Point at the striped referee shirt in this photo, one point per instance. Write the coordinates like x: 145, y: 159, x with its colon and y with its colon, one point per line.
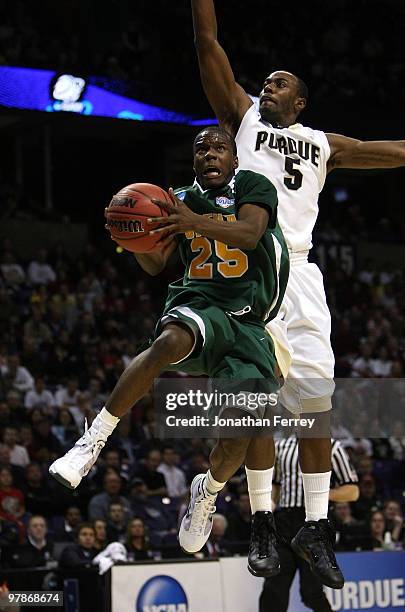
x: 287, y: 472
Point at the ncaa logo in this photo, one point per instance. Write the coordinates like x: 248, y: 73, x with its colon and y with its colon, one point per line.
x: 162, y: 594
x: 181, y: 195
x: 224, y: 202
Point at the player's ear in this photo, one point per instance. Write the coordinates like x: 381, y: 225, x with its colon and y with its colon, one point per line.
x: 300, y: 104
x: 235, y: 162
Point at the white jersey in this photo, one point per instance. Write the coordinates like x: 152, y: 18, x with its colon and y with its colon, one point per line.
x: 294, y: 159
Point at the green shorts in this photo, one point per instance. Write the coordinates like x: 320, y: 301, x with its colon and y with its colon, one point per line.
x: 226, y: 346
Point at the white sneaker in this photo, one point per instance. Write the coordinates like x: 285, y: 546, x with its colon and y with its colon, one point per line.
x: 70, y: 469
x: 196, y: 525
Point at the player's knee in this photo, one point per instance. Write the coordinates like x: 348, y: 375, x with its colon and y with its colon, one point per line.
x: 173, y: 344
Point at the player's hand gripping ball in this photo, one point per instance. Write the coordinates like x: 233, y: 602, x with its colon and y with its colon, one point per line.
x: 127, y: 214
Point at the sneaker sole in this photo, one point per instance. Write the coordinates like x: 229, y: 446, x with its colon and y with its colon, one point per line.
x: 62, y: 480
x: 301, y: 553
x: 268, y: 574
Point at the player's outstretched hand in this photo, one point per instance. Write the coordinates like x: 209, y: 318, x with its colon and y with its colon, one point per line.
x: 180, y: 220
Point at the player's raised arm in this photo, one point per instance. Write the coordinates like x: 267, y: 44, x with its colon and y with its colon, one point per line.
x: 228, y: 99
x: 351, y: 153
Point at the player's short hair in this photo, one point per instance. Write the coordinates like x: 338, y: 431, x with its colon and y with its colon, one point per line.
x: 219, y: 130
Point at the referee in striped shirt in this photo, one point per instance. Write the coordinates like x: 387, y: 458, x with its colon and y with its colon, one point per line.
x: 288, y: 496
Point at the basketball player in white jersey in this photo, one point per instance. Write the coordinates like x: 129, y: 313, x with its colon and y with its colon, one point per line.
x: 296, y: 159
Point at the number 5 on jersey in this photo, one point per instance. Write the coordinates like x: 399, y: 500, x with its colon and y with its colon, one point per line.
x: 294, y: 180
x: 234, y: 262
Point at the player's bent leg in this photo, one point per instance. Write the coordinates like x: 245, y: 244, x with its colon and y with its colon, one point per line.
x: 263, y: 559
x: 226, y: 457
x: 174, y: 343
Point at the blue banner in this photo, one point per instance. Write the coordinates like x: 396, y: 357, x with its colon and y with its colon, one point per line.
x: 374, y: 581
x: 46, y: 90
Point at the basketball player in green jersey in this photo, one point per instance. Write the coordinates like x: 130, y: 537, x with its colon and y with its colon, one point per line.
x: 236, y: 270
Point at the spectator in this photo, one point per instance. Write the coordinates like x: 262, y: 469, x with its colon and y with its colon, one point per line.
x: 11, y: 499
x: 125, y: 439
x: 112, y: 459
x: 71, y: 521
x: 41, y: 398
x: 13, y: 274
x: 154, y: 480
x: 35, y: 330
x: 17, y: 376
x: 39, y: 271
x: 96, y: 396
x: 26, y: 438
x: 38, y: 495
x: 46, y: 446
x: 38, y: 550
x: 156, y: 515
x: 16, y: 471
x: 174, y: 477
x: 9, y: 534
x: 82, y: 411
x: 68, y: 396
x: 117, y: 523
x: 81, y: 554
x: 238, y: 529
x: 397, y: 440
x: 363, y: 366
x: 65, y: 428
x: 14, y: 402
x: 350, y: 532
x: 18, y: 454
x: 100, y: 504
x: 394, y: 521
x: 377, y: 531
x: 137, y: 541
x: 100, y: 529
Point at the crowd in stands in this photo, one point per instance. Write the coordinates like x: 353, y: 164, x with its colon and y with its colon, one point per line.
x: 68, y: 328
x: 316, y: 40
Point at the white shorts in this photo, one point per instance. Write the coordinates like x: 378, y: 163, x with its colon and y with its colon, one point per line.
x: 302, y: 329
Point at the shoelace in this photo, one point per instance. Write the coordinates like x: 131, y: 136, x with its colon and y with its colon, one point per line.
x: 97, y: 444
x: 329, y: 550
x: 326, y: 539
x: 262, y: 535
x: 201, y: 513
x: 94, y: 439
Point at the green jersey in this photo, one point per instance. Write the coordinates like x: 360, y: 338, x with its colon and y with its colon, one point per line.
x: 236, y: 280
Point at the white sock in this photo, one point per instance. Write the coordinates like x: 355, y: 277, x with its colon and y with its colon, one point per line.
x: 260, y: 483
x: 212, y: 486
x: 316, y: 495
x: 108, y: 420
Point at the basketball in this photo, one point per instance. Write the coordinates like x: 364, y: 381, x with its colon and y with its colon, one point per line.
x: 127, y: 216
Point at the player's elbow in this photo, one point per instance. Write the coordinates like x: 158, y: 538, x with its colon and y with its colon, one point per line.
x: 252, y: 237
x: 251, y: 243
x: 204, y: 42
x: 154, y: 271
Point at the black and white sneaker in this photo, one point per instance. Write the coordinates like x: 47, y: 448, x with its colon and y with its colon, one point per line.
x: 196, y: 525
